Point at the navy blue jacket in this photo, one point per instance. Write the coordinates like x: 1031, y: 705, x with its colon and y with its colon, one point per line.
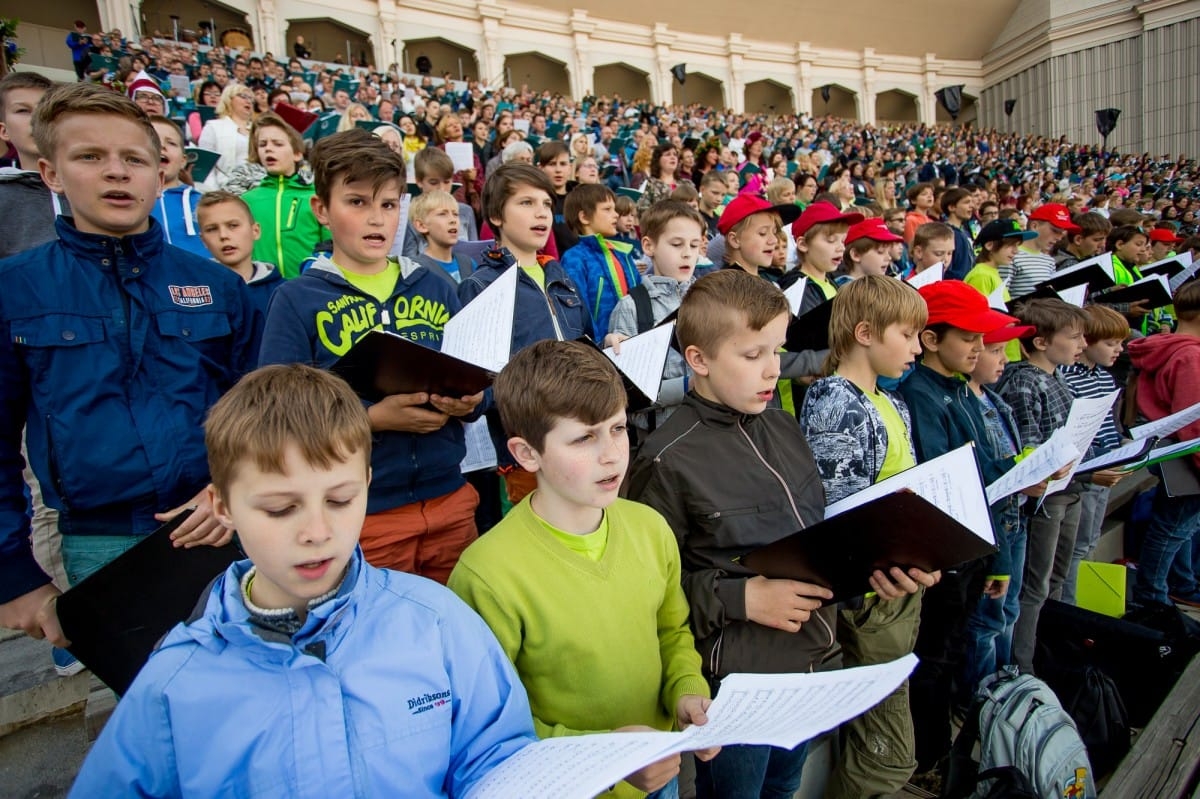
x: 111, y: 352
x: 317, y: 317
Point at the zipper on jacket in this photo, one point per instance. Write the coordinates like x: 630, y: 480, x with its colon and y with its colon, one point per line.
x: 599, y: 291
x: 52, y: 463
x: 553, y: 316
x: 278, y: 227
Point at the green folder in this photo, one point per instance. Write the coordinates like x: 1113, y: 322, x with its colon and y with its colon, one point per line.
x: 325, y: 126
x: 104, y: 62
x: 206, y: 112
x: 202, y: 162
x: 1100, y: 587
x: 626, y: 191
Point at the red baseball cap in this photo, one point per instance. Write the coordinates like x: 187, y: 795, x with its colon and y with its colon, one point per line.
x: 1164, y: 235
x: 1007, y: 334
x: 822, y: 213
x: 872, y: 228
x: 747, y: 204
x: 962, y: 306
x: 1057, y: 215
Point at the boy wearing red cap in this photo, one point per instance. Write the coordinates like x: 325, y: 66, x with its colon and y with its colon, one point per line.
x: 749, y: 225
x: 1034, y: 263
x: 820, y: 235
x: 868, y: 251
x: 1162, y: 243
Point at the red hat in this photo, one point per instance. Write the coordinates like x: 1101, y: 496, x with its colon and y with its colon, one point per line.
x: 144, y: 83
x: 822, y: 213
x: 745, y: 205
x: 1057, y: 215
x: 753, y: 137
x: 1164, y: 235
x: 1007, y: 334
x: 963, y: 306
x: 872, y: 228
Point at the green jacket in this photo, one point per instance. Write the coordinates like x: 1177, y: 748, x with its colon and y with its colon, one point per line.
x: 282, y: 207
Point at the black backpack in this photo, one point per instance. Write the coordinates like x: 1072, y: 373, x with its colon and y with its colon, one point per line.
x: 1094, y: 703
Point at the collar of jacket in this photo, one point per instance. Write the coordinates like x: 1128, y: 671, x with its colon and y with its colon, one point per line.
x: 714, y: 414
x: 95, y: 248
x: 955, y: 384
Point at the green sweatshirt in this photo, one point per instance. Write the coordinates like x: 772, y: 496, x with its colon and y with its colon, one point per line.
x: 282, y: 206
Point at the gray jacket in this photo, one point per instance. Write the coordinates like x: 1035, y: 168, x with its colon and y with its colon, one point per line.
x: 28, y: 209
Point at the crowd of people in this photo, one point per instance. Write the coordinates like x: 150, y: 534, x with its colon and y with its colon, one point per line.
x: 166, y: 346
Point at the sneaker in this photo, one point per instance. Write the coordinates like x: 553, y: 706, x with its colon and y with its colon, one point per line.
x: 65, y: 663
x: 1192, y: 600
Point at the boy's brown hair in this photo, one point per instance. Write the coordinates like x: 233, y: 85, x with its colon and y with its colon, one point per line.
x: 427, y: 202
x: 504, y: 182
x: 916, y: 189
x: 1122, y: 234
x: 878, y: 300
x: 1187, y: 302
x: 721, y: 302
x: 930, y: 232
x: 583, y: 200
x: 21, y: 80
x: 549, y: 151
x: 211, y: 198
x: 351, y: 156
x: 1104, y: 324
x: 685, y: 192
x: 272, y: 120
x: 552, y: 380
x: 1091, y: 223
x: 432, y: 163
x: 1048, y: 316
x: 654, y: 220
x: 625, y: 205
x: 84, y: 98
x: 712, y: 176
x: 279, y: 406
x: 953, y: 197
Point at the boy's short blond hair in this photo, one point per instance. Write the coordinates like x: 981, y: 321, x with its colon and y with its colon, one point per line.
x: 277, y: 406
x: 722, y: 302
x: 930, y: 232
x: 553, y: 380
x: 84, y: 98
x: 427, y: 202
x: 654, y: 220
x: 351, y: 156
x: 1104, y: 324
x: 878, y: 300
x: 220, y: 197
x: 432, y: 163
x: 776, y: 188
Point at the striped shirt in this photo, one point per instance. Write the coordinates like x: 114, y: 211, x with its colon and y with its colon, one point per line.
x: 1095, y: 381
x: 1028, y: 270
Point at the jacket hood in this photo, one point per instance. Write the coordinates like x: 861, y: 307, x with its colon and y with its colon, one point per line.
x: 660, y: 286
x: 1153, y: 352
x: 12, y: 174
x: 325, y: 267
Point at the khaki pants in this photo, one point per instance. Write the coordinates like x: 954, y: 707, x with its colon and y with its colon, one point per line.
x: 47, y: 542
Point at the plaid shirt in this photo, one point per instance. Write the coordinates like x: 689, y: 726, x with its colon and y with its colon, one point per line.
x: 1040, y: 401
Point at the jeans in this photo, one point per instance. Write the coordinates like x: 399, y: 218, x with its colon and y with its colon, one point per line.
x: 86, y: 554
x: 751, y: 772
x: 668, y: 791
x: 1182, y: 579
x: 1172, y: 525
x: 1048, y: 550
x: 1093, y: 503
x: 990, y: 628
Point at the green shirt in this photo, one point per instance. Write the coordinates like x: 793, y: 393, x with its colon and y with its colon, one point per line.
x: 379, y: 285
x: 827, y: 288
x: 591, y: 546
x: 899, y: 454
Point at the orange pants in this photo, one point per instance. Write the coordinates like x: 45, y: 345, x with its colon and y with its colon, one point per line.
x: 519, y: 484
x: 424, y: 538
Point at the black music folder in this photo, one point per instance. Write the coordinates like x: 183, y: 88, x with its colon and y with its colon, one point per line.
x: 810, y: 331
x: 1154, y: 290
x: 1096, y: 272
x: 381, y: 364
x: 900, y: 529
x: 116, y: 617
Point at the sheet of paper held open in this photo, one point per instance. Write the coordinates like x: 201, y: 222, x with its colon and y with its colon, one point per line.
x: 1161, y: 428
x: 795, y: 295
x: 928, y: 276
x: 1055, y: 453
x: 1086, y: 417
x: 643, y: 357
x: 950, y: 482
x: 776, y: 709
x: 481, y: 333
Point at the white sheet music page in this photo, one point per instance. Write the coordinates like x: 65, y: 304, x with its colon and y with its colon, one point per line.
x: 481, y: 453
x: 927, y: 277
x: 643, y: 357
x: 481, y: 333
x: 1161, y: 428
x: 1086, y: 417
x: 1054, y: 453
x: 1076, y: 295
x: 795, y: 294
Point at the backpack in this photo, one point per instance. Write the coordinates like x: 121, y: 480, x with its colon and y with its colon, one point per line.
x: 1099, y: 714
x: 1029, y: 746
x: 642, y: 307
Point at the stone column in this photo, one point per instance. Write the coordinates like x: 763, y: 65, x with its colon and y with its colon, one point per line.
x: 661, y: 80
x: 735, y: 87
x: 491, y: 55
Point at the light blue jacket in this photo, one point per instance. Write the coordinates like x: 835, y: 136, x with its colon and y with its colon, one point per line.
x: 392, y: 688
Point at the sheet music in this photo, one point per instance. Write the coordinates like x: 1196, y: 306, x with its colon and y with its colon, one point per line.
x: 643, y: 357
x: 521, y: 125
x: 1104, y: 259
x: 1184, y: 259
x: 402, y: 227
x: 1134, y: 449
x: 927, y: 277
x: 1035, y: 467
x: 778, y: 709
x: 481, y: 453
x: 996, y: 298
x: 1168, y: 452
x: 1187, y: 274
x: 462, y: 154
x: 951, y: 482
x: 795, y: 294
x: 481, y: 333
x: 1086, y: 417
x: 1076, y: 295
x: 1168, y: 424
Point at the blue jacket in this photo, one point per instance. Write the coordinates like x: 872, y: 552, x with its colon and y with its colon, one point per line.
x: 588, y: 267
x: 176, y: 212
x: 963, y: 260
x: 393, y: 687
x: 111, y: 352
x: 315, y: 319
x: 262, y: 286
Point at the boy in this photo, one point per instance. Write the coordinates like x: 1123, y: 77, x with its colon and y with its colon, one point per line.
x: 627, y: 226
x: 998, y: 243
x: 572, y: 550
x: 859, y: 435
x: 1162, y: 243
x: 602, y: 269
x: 1041, y: 402
x: 932, y: 243
x: 1033, y: 263
x: 731, y: 326
x: 673, y: 243
x: 554, y: 159
x: 27, y: 206
x: 518, y: 201
x: 820, y: 235
x: 229, y: 231
x: 282, y: 203
x: 958, y: 208
x: 303, y: 660
x: 1088, y: 242
x: 434, y: 171
x: 420, y: 512
x: 712, y: 196
x: 1104, y: 333
x: 868, y: 251
x: 109, y: 271
x: 1169, y: 364
x: 434, y: 215
x: 175, y: 210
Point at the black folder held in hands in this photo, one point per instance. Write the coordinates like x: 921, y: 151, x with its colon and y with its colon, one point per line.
x: 900, y: 529
x: 1155, y: 291
x: 381, y: 363
x: 116, y: 617
x: 810, y: 331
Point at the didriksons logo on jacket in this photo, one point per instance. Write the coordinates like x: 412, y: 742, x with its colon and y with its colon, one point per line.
x: 423, y: 703
x: 348, y: 318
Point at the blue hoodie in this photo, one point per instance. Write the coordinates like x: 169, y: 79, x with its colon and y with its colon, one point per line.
x: 393, y: 687
x: 317, y: 317
x: 588, y: 266
x: 176, y: 212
